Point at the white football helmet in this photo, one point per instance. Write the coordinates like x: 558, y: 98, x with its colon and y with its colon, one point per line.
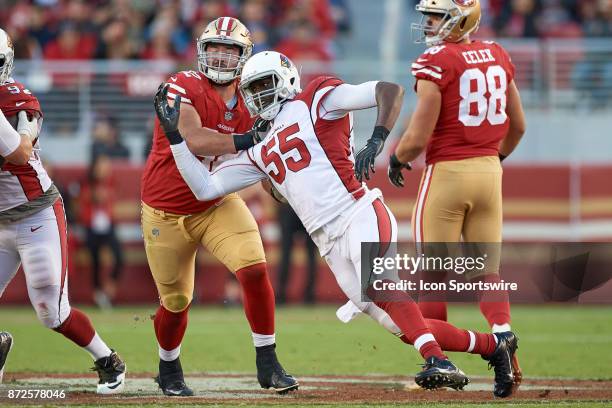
x: 7, y: 54
x: 221, y: 67
x: 460, y: 18
x: 268, y: 79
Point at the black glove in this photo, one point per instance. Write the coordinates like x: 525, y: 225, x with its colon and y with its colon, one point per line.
x: 364, y: 162
x: 168, y: 115
x: 395, y: 171
x: 244, y: 141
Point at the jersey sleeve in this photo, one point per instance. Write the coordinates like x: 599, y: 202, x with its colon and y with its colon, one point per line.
x: 9, y: 138
x: 232, y: 175
x: 14, y: 97
x: 345, y: 98
x: 181, y: 84
x: 433, y: 65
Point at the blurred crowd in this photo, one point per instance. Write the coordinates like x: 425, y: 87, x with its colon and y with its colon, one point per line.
x: 547, y: 18
x: 165, y: 29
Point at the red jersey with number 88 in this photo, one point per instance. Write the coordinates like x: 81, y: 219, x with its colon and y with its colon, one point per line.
x: 473, y: 80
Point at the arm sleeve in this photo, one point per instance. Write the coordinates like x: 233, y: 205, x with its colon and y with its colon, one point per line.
x: 230, y: 176
x: 9, y: 138
x: 345, y: 98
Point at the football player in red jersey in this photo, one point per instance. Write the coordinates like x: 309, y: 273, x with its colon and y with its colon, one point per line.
x: 216, y: 125
x: 33, y: 232
x: 468, y: 118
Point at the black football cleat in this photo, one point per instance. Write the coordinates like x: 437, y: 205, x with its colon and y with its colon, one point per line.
x: 111, y: 371
x: 438, y: 373
x: 6, y: 342
x: 502, y: 361
x: 171, y: 379
x: 270, y: 373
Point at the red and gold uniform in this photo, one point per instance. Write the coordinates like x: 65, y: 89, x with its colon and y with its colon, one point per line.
x: 460, y: 191
x: 174, y: 222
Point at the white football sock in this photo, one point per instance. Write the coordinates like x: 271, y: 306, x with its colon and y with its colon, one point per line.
x: 260, y: 340
x: 169, y: 355
x: 97, y: 348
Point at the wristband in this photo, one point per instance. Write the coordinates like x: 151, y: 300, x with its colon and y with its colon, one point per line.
x: 174, y: 137
x: 243, y: 141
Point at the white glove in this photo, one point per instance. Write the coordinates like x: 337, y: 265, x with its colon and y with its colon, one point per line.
x: 27, y: 127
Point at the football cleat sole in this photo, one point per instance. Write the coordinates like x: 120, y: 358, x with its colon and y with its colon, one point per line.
x: 286, y: 390
x: 114, y: 387
x: 436, y: 381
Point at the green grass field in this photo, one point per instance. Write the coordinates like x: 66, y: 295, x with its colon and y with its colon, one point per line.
x: 555, y: 341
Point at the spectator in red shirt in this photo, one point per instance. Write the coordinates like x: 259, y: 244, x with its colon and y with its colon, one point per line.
x: 70, y: 44
x: 97, y: 216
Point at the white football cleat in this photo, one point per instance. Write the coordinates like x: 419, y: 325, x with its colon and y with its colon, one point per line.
x: 111, y: 371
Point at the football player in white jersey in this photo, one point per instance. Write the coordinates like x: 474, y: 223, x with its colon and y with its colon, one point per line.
x: 33, y: 230
x: 308, y: 157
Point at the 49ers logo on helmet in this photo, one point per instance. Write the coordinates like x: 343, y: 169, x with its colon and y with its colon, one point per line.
x: 464, y: 3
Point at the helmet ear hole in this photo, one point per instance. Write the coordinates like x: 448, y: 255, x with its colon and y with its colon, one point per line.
x: 462, y: 23
x: 292, y: 80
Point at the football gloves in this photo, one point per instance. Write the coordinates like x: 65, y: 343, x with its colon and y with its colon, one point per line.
x: 395, y: 171
x: 27, y: 127
x: 364, y: 161
x: 169, y: 118
x: 168, y: 115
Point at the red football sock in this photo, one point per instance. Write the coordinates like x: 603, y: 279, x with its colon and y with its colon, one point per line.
x: 77, y: 327
x: 452, y: 338
x: 494, y: 305
x: 433, y: 310
x: 258, y: 298
x: 170, y: 327
x: 406, y: 315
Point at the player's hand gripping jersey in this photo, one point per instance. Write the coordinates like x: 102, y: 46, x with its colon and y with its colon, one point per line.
x: 473, y: 79
x: 163, y: 187
x: 308, y: 156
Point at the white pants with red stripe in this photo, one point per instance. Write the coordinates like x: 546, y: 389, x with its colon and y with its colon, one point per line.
x: 38, y: 242
x: 374, y: 223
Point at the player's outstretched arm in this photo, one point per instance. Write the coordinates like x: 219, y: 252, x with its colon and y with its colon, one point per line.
x: 514, y: 110
x: 389, y: 99
x: 16, y: 146
x: 233, y: 175
x: 416, y: 136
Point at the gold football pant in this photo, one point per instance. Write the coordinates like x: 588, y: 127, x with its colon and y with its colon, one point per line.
x: 460, y: 198
x: 228, y: 231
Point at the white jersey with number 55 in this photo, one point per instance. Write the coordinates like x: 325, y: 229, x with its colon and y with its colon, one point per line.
x: 307, y: 155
